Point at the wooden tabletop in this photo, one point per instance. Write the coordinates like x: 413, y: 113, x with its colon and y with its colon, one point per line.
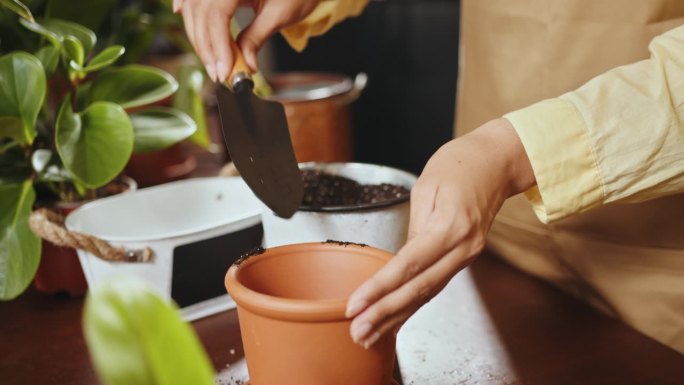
x: 491, y: 325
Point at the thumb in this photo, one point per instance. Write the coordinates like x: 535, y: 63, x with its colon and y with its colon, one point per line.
x: 254, y: 36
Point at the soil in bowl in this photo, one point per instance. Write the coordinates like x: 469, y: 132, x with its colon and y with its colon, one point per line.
x: 322, y: 190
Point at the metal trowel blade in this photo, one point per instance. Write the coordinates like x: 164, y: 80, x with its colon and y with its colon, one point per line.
x: 259, y: 144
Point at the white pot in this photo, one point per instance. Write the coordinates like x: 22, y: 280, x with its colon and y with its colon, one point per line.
x: 196, y: 229
x: 384, y: 226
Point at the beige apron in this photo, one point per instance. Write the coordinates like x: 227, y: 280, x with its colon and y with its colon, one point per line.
x: 627, y: 260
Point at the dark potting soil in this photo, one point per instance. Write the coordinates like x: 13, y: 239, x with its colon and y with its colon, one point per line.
x: 232, y: 381
x: 326, y: 190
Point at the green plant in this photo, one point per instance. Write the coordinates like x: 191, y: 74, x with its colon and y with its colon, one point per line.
x: 136, y: 338
x: 69, y: 123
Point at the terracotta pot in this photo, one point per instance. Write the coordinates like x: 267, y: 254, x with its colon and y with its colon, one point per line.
x: 170, y: 164
x: 318, y: 109
x: 291, y: 302
x: 59, y: 269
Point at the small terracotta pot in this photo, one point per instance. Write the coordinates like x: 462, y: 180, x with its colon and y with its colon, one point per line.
x: 291, y: 302
x: 319, y: 114
x: 162, y: 166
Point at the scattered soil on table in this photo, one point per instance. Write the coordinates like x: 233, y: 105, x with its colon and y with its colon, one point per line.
x: 255, y: 251
x: 326, y: 190
x: 231, y: 381
x: 342, y: 243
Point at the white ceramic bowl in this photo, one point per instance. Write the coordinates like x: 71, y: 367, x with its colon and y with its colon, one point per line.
x: 383, y: 225
x: 196, y: 228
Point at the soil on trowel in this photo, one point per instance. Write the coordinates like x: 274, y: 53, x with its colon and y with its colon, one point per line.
x: 323, y: 190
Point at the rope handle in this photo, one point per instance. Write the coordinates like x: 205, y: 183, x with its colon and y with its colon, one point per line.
x: 49, y: 225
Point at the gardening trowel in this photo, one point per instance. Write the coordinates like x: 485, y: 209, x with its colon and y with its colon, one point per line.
x: 258, y: 140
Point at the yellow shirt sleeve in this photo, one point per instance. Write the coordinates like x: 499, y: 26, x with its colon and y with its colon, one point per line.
x: 324, y: 17
x: 618, y: 138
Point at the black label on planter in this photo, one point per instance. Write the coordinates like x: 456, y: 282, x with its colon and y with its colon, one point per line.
x: 199, y: 268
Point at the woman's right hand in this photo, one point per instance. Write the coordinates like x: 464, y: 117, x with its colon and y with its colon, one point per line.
x: 207, y: 24
x: 453, y: 204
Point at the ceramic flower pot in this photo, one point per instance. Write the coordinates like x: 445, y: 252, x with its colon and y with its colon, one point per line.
x: 383, y: 224
x: 196, y: 228
x: 59, y: 270
x: 291, y: 302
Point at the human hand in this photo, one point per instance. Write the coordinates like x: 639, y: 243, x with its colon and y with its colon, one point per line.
x: 453, y: 205
x: 207, y: 24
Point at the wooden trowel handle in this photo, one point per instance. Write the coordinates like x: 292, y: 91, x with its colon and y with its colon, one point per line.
x: 239, y: 66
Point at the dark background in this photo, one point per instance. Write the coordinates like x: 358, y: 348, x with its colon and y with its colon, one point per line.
x: 409, y: 49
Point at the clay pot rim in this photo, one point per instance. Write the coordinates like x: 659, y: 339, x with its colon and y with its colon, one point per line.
x: 327, y: 85
x: 290, y: 309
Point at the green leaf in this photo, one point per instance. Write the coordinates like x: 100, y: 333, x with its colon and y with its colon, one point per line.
x: 132, y: 86
x: 12, y: 127
x: 17, y: 7
x: 158, y: 128
x: 73, y: 51
x: 22, y: 90
x: 63, y: 28
x: 89, y: 13
x: 49, y: 58
x: 52, y: 37
x: 96, y: 144
x: 135, y: 338
x: 104, y: 58
x: 19, y: 247
x: 189, y: 100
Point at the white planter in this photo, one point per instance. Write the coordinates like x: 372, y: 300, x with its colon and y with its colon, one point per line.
x: 196, y: 228
x: 384, y: 226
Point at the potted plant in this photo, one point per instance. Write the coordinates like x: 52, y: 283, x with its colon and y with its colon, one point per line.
x: 69, y: 123
x: 153, y: 35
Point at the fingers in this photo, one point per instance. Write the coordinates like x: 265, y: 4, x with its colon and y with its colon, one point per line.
x: 188, y: 22
x: 219, y: 32
x: 391, y: 325
x: 412, y: 259
x: 264, y: 25
x: 402, y: 267
x: 207, y: 24
x: 393, y: 309
x: 177, y: 4
x: 203, y: 43
x: 446, y: 241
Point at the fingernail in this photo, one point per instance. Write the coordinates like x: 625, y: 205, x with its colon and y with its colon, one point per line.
x: 355, y: 308
x: 211, y: 72
x: 221, y: 71
x: 176, y: 6
x: 371, y: 340
x: 358, y: 333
